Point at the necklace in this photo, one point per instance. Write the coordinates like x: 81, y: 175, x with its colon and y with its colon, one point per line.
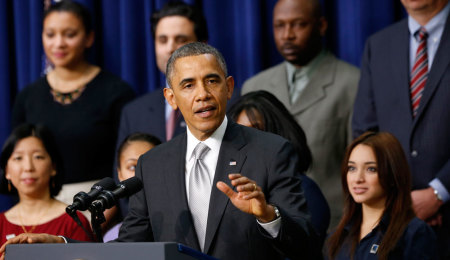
x: 33, y: 227
x: 67, y: 98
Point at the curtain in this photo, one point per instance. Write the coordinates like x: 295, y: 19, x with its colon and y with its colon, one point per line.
x: 240, y: 29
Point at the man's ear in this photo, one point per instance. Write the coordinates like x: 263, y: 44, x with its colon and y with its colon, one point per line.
x: 323, y: 26
x: 230, y: 86
x: 170, y: 97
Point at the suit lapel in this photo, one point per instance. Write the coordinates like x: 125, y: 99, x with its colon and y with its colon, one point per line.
x: 399, y: 65
x: 175, y: 183
x: 438, y: 68
x: 279, y: 85
x: 315, y: 90
x: 231, y: 160
x: 158, y: 108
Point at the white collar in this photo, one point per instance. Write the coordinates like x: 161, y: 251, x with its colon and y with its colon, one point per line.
x: 213, y: 142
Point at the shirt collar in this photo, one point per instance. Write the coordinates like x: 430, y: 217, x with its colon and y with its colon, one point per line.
x: 383, y: 224
x: 438, y: 21
x: 304, y: 70
x: 213, y: 142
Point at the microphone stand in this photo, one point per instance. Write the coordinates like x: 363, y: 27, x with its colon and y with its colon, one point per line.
x: 74, y: 216
x: 97, y: 218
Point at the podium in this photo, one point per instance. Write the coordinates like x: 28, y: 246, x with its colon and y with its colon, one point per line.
x: 106, y: 251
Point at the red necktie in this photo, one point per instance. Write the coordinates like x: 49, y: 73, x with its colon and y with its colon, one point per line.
x: 419, y: 73
x: 171, y: 123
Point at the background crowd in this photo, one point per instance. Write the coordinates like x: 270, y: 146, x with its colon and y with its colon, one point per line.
x: 315, y: 91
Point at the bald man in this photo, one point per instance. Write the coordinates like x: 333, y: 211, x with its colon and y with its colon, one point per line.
x: 316, y: 87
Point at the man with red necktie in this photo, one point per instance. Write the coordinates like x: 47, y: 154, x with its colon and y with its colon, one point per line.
x: 405, y: 90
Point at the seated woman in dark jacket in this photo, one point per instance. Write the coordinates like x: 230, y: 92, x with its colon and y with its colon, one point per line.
x: 378, y: 220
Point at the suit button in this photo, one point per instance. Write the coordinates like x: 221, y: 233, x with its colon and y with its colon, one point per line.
x: 414, y: 153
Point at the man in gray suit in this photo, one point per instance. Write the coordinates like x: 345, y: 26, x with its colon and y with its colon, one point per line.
x: 317, y: 89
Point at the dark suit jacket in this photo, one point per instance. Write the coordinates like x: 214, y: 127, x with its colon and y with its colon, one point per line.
x: 383, y: 103
x: 146, y: 114
x: 160, y: 211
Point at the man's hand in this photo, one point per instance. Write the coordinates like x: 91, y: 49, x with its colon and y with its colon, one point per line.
x: 249, y: 198
x: 29, y: 238
x: 425, y: 203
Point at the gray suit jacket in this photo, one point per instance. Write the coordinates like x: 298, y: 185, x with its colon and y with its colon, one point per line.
x: 324, y: 111
x: 160, y: 211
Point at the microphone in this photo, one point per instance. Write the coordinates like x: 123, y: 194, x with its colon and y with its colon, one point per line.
x: 82, y: 200
x: 107, y: 199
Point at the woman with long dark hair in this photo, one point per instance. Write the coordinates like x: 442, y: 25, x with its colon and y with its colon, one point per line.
x: 378, y: 220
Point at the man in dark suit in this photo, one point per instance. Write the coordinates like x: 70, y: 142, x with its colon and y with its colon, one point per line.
x: 174, y: 25
x: 405, y: 90
x: 264, y: 215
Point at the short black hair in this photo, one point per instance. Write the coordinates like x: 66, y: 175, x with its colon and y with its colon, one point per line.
x: 43, y: 133
x: 194, y: 49
x: 192, y: 13
x: 264, y: 106
x: 135, y: 137
x: 72, y: 7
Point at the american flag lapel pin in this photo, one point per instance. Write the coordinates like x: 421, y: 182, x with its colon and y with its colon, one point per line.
x: 233, y: 163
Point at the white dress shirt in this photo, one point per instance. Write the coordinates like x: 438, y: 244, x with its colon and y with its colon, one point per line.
x: 214, y: 142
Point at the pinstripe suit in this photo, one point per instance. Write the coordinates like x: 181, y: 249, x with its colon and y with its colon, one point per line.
x: 383, y: 103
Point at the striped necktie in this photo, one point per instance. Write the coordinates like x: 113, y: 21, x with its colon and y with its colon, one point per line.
x: 419, y: 73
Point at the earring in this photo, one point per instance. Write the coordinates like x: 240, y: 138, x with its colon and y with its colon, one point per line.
x: 53, y: 183
x: 9, y: 186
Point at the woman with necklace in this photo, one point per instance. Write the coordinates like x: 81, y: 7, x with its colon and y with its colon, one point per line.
x: 30, y: 169
x: 378, y: 220
x: 77, y: 101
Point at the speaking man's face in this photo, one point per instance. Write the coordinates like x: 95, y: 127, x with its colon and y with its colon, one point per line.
x: 200, y: 90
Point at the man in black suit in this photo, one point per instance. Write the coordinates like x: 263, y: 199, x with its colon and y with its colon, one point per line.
x: 264, y: 215
x: 174, y: 25
x: 405, y: 90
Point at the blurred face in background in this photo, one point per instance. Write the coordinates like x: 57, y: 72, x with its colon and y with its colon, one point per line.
x: 244, y: 119
x: 362, y: 177
x: 30, y: 167
x: 423, y: 6
x: 64, y: 39
x: 297, y: 30
x: 129, y: 157
x: 171, y: 33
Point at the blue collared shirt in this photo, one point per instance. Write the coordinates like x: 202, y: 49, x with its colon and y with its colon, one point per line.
x: 417, y: 242
x: 434, y: 28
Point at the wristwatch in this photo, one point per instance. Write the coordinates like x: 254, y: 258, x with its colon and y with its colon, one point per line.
x: 277, y: 212
x: 438, y: 196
